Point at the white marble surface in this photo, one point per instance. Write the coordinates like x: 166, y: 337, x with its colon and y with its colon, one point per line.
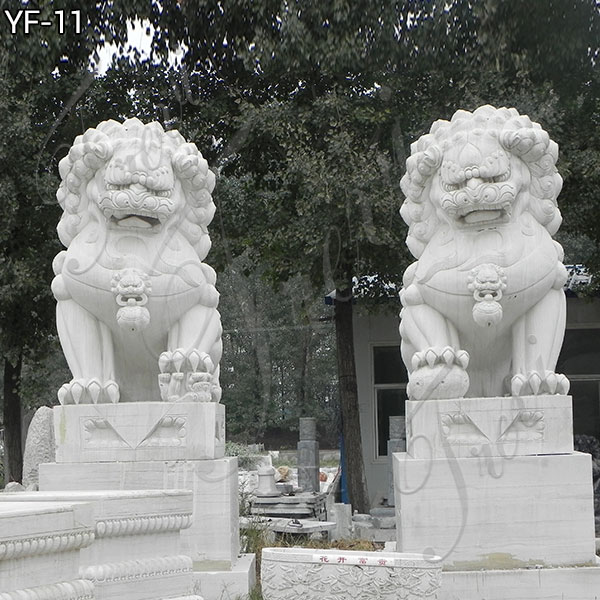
x: 137, y: 308
x: 136, y: 540
x: 497, y: 512
x: 40, y: 545
x: 581, y: 583
x: 483, y: 307
x: 139, y: 431
x: 313, y: 574
x: 214, y: 533
x: 487, y: 427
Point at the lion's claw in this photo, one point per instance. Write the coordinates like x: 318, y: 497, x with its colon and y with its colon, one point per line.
x: 438, y: 373
x: 440, y: 355
x: 89, y: 391
x: 179, y: 361
x: 535, y: 383
x: 186, y: 376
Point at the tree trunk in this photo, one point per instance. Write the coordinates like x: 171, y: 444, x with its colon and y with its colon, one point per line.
x: 357, y: 485
x: 13, y: 459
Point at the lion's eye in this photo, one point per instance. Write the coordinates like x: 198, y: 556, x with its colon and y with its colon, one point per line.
x: 163, y: 193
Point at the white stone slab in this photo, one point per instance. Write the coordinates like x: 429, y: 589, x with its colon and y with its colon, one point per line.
x: 135, y: 554
x: 501, y: 513
x: 144, y: 523
x: 40, y: 546
x: 501, y: 426
x: 581, y: 583
x: 139, y: 431
x: 228, y: 584
x: 214, y: 533
x: 315, y: 574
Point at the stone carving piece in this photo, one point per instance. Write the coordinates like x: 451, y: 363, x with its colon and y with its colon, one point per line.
x: 483, y: 307
x: 309, y: 574
x: 135, y: 300
x: 39, y: 447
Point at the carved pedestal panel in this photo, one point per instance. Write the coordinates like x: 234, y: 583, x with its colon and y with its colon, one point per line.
x: 139, y: 431
x: 480, y: 427
x: 40, y: 546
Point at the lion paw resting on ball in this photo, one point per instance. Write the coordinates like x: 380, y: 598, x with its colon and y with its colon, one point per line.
x: 483, y: 307
x: 137, y: 308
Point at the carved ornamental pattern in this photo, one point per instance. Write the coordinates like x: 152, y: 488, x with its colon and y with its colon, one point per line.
x: 45, y: 544
x: 71, y: 590
x: 135, y: 570
x: 142, y: 525
x: 336, y: 580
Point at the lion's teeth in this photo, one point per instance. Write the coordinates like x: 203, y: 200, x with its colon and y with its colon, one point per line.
x: 134, y: 222
x: 479, y: 216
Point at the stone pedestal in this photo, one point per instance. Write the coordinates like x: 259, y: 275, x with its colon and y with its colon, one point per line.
x: 308, y: 456
x: 139, y: 431
x: 153, y: 445
x: 493, y: 484
x: 40, y: 546
x: 214, y: 533
x: 396, y: 443
x: 136, y: 548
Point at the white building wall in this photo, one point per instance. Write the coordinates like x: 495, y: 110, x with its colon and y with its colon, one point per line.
x: 369, y: 331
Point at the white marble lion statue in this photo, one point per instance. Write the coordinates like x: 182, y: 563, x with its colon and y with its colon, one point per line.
x: 483, y: 306
x: 137, y: 308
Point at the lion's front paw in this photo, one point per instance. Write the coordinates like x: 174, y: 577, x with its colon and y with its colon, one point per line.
x: 186, y: 376
x: 89, y: 391
x: 537, y: 382
x: 438, y: 373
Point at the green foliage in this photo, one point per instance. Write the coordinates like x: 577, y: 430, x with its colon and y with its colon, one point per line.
x: 277, y: 361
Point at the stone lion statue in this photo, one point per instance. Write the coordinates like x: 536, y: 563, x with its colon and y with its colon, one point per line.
x: 483, y: 306
x: 137, y: 308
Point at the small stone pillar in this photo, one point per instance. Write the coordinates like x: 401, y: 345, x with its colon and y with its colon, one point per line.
x: 308, y: 456
x: 266, y: 482
x: 396, y: 443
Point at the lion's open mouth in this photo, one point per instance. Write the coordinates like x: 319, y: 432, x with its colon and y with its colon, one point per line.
x: 129, y: 220
x: 483, y: 215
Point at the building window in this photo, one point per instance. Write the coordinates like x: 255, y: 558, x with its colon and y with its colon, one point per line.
x: 579, y: 360
x: 389, y: 382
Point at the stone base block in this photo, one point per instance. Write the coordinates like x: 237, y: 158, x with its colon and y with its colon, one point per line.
x: 147, y: 579
x: 518, y: 584
x: 139, y: 431
x: 40, y: 545
x: 226, y: 584
x: 506, y: 426
x: 214, y: 533
x: 497, y: 513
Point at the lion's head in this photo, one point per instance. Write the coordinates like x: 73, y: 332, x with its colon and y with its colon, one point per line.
x: 480, y: 169
x: 136, y: 176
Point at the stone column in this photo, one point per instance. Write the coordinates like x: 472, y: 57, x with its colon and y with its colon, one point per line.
x: 308, y: 456
x: 396, y: 443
